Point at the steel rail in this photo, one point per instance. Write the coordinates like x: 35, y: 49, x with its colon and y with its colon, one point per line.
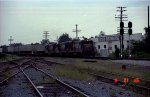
x: 11, y: 76
x: 142, y: 79
x: 16, y: 72
x: 32, y: 83
x: 61, y: 82
x: 112, y: 80
x: 120, y: 82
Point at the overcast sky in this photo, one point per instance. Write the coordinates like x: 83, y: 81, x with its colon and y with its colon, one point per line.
x: 25, y: 20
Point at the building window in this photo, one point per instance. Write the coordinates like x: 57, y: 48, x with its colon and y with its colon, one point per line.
x: 104, y: 46
x: 98, y: 46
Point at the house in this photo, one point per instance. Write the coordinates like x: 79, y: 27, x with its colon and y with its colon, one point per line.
x: 109, y: 42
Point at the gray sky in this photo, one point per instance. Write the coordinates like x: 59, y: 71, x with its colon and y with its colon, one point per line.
x: 25, y: 20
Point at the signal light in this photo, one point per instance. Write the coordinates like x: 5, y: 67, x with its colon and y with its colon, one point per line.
x: 121, y: 24
x: 130, y: 31
x: 130, y: 24
x: 123, y: 67
x: 136, y: 80
x: 116, y: 80
x: 126, y: 80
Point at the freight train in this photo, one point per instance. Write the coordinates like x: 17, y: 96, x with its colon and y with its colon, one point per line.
x: 69, y: 48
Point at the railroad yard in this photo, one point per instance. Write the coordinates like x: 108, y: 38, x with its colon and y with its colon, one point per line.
x: 73, y: 77
x: 74, y: 48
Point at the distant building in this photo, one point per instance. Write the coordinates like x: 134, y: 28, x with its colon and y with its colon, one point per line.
x: 110, y: 41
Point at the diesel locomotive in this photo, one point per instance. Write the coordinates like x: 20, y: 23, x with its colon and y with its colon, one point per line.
x: 69, y: 48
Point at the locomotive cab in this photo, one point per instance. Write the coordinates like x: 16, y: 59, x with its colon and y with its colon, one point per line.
x: 87, y: 48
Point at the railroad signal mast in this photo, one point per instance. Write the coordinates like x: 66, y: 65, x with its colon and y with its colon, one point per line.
x: 10, y: 40
x: 130, y: 33
x: 122, y: 17
x: 76, y: 30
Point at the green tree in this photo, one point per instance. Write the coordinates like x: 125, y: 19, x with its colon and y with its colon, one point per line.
x: 45, y: 41
x: 144, y: 45
x: 147, y: 40
x: 64, y: 37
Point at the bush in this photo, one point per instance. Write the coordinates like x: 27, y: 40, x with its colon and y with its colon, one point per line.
x: 125, y: 54
x: 2, y: 56
x: 112, y: 55
x: 141, y: 55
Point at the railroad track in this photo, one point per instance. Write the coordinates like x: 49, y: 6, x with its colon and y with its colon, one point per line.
x: 8, y: 65
x: 113, y: 58
x: 8, y: 69
x: 52, y: 88
x: 135, y: 88
x: 109, y: 73
x: 3, y: 82
x: 43, y: 91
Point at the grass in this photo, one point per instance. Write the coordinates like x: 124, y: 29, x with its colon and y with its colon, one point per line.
x: 6, y: 74
x: 147, y: 75
x: 4, y: 57
x: 107, y: 67
x: 113, y: 93
x: 74, y: 68
x: 27, y: 85
x: 71, y: 72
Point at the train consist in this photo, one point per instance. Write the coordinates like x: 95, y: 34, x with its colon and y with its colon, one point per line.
x: 70, y: 48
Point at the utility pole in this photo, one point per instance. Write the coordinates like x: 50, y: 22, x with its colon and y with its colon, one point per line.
x: 148, y: 16
x: 130, y: 33
x: 46, y: 34
x: 148, y: 21
x: 121, y: 19
x: 76, y: 30
x: 45, y: 40
x: 10, y: 40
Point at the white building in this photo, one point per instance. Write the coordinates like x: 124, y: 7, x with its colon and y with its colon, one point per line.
x: 110, y: 41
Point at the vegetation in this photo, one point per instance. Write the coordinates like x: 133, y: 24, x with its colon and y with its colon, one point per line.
x: 141, y: 55
x: 5, y: 57
x: 46, y: 79
x: 113, y: 93
x: 71, y: 72
x: 45, y: 41
x: 141, y: 49
x: 64, y: 37
x: 76, y: 68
